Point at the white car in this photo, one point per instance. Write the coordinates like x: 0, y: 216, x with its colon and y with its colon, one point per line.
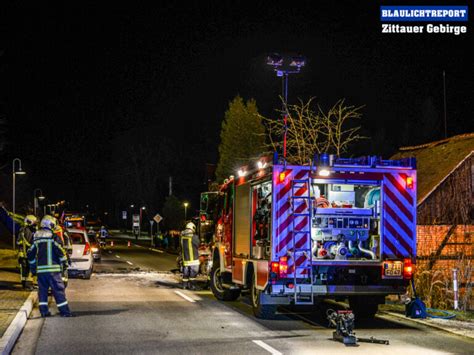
x: 82, y: 260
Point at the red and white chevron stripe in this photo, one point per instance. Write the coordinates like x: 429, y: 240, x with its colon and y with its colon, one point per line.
x: 283, y: 215
x: 399, y: 217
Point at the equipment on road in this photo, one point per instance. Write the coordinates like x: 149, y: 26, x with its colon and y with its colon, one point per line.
x: 336, y: 228
x: 129, y: 244
x: 343, y: 321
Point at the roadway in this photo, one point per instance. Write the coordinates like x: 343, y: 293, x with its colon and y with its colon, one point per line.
x: 133, y: 304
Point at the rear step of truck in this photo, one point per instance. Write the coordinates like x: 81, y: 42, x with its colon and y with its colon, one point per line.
x: 303, y: 271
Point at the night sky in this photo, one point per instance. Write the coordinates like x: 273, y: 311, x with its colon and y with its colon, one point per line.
x: 87, y: 81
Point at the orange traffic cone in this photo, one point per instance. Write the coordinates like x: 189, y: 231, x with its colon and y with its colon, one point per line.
x: 129, y: 244
x: 111, y: 243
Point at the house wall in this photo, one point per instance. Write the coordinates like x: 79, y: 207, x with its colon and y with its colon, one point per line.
x: 452, y: 202
x: 458, y: 253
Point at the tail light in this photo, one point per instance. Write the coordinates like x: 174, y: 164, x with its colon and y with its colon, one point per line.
x: 279, y: 269
x: 275, y: 267
x: 408, y: 269
x: 283, y: 267
x: 87, y: 249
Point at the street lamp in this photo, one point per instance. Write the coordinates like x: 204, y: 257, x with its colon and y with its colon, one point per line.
x: 143, y: 208
x: 284, y: 66
x: 14, y: 173
x: 36, y: 198
x: 186, y: 204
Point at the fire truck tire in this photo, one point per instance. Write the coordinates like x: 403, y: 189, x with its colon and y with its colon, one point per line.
x: 363, y: 308
x: 221, y: 293
x: 262, y: 311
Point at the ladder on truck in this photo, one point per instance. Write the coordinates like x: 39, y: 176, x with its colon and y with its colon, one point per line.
x: 304, y: 281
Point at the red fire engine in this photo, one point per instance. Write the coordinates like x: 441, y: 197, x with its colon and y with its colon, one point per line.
x: 295, y: 234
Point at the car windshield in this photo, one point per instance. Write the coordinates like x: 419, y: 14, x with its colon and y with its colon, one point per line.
x: 77, y: 238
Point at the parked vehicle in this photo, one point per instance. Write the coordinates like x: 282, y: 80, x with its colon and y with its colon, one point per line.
x: 82, y: 261
x: 294, y: 234
x: 95, y: 246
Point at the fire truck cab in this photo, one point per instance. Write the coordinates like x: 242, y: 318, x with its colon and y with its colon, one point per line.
x: 296, y: 234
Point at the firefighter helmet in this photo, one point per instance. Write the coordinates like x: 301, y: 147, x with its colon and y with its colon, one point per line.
x: 49, y: 222
x: 191, y: 226
x: 31, y: 220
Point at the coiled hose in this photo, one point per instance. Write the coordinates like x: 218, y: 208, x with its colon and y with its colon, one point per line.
x: 445, y: 314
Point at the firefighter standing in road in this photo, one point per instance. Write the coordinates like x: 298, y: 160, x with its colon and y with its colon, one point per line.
x: 66, y: 244
x: 190, y: 254
x: 46, y: 257
x: 25, y: 239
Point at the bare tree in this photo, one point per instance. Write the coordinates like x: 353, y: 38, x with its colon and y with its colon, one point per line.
x: 311, y: 131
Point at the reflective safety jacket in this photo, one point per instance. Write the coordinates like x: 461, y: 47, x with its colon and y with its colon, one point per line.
x: 46, y: 254
x: 25, y: 238
x: 189, y: 249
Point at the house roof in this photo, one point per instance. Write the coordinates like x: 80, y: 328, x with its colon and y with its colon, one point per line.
x: 437, y: 160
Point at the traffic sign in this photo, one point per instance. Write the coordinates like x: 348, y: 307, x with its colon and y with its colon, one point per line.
x: 136, y: 220
x: 157, y: 218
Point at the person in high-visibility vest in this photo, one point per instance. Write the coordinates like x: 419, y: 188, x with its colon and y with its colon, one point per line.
x: 48, y: 258
x: 190, y: 254
x: 65, y: 242
x: 25, y: 238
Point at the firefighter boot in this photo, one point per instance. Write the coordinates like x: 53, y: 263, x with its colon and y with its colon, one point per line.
x: 184, y: 285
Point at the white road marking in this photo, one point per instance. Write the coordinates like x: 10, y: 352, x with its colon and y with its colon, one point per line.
x: 157, y: 250
x: 187, y: 298
x: 117, y: 256
x: 138, y: 245
x: 267, y: 347
x: 128, y: 262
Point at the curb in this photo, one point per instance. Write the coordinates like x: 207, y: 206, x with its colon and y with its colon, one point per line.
x: 13, y: 331
x: 449, y: 330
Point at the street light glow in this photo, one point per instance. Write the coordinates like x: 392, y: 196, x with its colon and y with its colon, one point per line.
x: 186, y: 204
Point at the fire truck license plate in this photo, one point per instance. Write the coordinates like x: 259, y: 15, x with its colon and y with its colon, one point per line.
x: 393, y: 268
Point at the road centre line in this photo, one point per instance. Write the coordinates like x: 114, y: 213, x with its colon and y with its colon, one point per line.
x: 187, y: 298
x: 128, y: 262
x: 117, y: 256
x: 157, y: 250
x: 267, y: 347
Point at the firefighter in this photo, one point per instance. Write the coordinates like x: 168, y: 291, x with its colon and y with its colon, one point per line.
x: 64, y: 240
x: 190, y: 254
x: 24, y: 241
x: 47, y: 257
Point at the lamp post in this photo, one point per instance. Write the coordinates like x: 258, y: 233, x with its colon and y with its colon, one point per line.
x: 140, y: 227
x: 36, y: 198
x: 14, y: 173
x: 186, y: 204
x: 284, y: 66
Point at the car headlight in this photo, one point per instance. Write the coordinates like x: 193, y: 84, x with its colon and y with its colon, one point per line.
x: 95, y: 250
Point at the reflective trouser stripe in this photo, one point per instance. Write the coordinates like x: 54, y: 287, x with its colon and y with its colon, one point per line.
x: 185, y: 280
x: 62, y: 304
x: 43, y: 303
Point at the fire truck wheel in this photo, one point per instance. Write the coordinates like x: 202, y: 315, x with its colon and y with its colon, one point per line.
x: 263, y: 311
x: 218, y: 290
x: 363, y: 308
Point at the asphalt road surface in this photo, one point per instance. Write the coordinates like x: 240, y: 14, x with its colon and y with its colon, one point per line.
x: 133, y: 304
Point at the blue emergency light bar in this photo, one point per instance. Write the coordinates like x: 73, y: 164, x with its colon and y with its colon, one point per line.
x: 370, y: 161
